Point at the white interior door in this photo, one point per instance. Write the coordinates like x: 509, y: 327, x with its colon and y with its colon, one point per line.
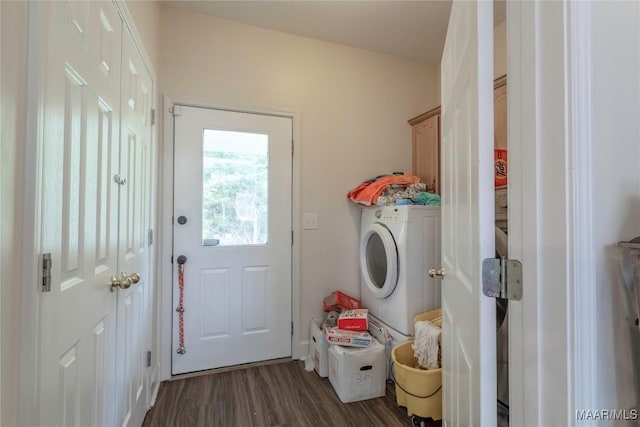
x: 469, y: 346
x: 232, y: 222
x: 134, y: 311
x: 78, y: 211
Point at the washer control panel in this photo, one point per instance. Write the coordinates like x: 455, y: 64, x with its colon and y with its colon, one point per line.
x: 390, y: 215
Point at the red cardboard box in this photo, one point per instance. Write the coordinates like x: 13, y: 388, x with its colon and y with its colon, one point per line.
x: 342, y: 300
x: 500, y: 166
x: 354, y: 320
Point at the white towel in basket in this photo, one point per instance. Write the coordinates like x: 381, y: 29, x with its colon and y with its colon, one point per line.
x: 426, y: 347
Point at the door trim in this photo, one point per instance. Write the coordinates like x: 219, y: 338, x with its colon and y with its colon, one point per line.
x: 549, y: 111
x: 165, y: 303
x: 28, y: 367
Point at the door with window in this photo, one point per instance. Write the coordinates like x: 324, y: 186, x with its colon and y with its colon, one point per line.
x: 232, y: 238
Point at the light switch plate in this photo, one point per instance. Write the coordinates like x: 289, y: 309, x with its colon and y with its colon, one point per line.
x: 310, y: 221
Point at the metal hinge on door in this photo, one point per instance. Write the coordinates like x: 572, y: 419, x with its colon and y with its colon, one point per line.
x: 502, y: 278
x: 153, y: 116
x: 148, y: 359
x: 150, y: 237
x: 46, y: 272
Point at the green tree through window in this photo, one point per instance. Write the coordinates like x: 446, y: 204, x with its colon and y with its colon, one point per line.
x: 235, y: 192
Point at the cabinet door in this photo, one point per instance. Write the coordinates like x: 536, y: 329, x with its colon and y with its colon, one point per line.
x: 426, y: 152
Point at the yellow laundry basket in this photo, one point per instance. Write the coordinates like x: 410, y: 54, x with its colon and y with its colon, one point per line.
x: 417, y: 389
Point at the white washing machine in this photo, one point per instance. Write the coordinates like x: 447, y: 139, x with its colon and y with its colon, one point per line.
x: 398, y: 246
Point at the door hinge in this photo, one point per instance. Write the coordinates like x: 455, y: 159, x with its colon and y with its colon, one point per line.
x: 153, y: 116
x: 150, y: 237
x: 502, y: 278
x: 291, y: 237
x: 176, y: 110
x: 292, y: 147
x: 171, y: 259
x: 291, y: 328
x: 46, y: 272
x: 148, y: 359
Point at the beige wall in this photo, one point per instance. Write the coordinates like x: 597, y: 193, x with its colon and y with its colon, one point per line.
x: 353, y: 108
x: 12, y: 98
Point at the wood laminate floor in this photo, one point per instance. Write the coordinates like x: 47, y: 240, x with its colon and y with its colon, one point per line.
x: 282, y: 394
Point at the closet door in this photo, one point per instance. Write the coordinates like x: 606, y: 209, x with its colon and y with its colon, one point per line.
x: 78, y: 155
x: 134, y: 314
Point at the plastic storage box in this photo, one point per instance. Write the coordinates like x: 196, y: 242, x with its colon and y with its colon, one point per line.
x: 417, y: 389
x: 319, y: 348
x: 358, y: 373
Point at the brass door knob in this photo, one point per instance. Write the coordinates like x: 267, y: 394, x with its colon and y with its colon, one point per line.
x: 436, y: 272
x: 123, y: 282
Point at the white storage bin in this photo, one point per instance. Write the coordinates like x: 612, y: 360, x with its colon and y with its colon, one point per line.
x: 358, y: 373
x: 319, y: 348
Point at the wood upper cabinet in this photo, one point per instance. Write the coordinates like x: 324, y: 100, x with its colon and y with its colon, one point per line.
x: 425, y: 132
x: 425, y: 150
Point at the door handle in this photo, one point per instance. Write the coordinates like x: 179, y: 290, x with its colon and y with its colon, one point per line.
x: 437, y: 272
x: 125, y: 281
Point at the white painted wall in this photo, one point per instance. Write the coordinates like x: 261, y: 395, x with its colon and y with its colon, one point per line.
x: 353, y: 106
x: 12, y: 99
x: 615, y: 105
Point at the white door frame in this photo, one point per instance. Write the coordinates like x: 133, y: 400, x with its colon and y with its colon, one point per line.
x: 165, y: 308
x: 29, y: 295
x: 552, y: 351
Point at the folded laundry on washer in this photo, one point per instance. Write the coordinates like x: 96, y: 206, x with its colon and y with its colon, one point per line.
x: 368, y: 192
x: 428, y: 199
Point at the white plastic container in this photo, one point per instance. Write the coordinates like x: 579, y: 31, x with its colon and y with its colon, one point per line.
x: 319, y: 348
x: 358, y: 373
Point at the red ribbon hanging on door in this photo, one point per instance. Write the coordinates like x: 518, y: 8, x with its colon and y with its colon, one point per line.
x: 180, y: 309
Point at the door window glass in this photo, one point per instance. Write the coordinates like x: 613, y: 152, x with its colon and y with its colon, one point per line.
x: 235, y: 190
x: 376, y: 260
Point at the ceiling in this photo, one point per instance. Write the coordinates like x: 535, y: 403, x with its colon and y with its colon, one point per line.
x: 410, y: 29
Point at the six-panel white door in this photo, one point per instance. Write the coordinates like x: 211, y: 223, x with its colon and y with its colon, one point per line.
x: 233, y: 191
x: 93, y: 338
x: 79, y: 211
x: 134, y: 313
x: 469, y: 338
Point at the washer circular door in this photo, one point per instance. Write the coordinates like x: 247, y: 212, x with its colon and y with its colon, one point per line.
x: 379, y: 260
